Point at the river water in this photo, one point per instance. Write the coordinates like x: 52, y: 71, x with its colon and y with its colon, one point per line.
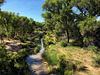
x: 36, y: 64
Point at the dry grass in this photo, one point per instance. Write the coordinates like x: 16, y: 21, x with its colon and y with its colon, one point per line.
x: 79, y: 54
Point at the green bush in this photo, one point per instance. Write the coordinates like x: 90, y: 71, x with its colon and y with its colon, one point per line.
x: 28, y: 45
x: 33, y: 39
x: 17, y: 61
x: 39, y: 35
x: 38, y: 29
x: 37, y: 42
x: 25, y: 38
x: 68, y: 72
x: 62, y: 63
x: 66, y: 66
x: 51, y: 57
x: 12, y: 64
x: 3, y: 58
x: 2, y: 46
x: 63, y: 43
x: 96, y: 60
x: 37, y: 49
x: 24, y: 46
x: 94, y: 48
x: 21, y: 39
x: 48, y: 41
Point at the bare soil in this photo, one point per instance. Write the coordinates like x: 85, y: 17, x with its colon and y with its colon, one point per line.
x: 12, y: 46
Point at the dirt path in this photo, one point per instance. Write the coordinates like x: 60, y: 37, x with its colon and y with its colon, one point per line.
x: 12, y: 45
x: 37, y: 67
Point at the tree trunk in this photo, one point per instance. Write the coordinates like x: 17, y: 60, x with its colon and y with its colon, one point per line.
x: 67, y: 35
x: 2, y: 39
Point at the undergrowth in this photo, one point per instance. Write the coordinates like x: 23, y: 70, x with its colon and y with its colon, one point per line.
x: 96, y: 60
x: 93, y: 48
x: 13, y: 64
x: 50, y: 56
x: 67, y: 59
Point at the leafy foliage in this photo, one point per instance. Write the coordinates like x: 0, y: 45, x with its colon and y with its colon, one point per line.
x: 63, y: 43
x: 96, y: 60
x: 13, y: 63
x: 61, y: 19
x: 51, y: 57
x: 13, y: 25
x: 49, y: 39
x: 94, y: 48
x: 37, y: 49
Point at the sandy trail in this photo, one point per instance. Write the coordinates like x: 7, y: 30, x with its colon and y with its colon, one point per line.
x: 12, y: 45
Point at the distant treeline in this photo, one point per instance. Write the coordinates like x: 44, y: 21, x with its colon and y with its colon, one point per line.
x: 13, y: 25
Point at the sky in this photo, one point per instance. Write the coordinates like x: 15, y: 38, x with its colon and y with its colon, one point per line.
x: 75, y: 9
x: 29, y: 8
x: 98, y: 18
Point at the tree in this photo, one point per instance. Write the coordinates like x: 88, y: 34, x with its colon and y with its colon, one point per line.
x: 87, y: 29
x: 1, y: 1
x: 89, y: 11
x: 58, y: 16
x: 15, y: 25
x: 6, y: 18
x: 90, y: 7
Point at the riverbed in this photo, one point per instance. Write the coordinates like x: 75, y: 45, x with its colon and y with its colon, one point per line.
x: 35, y: 63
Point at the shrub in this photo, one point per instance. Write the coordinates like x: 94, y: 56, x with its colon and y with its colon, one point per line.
x: 24, y: 46
x: 37, y: 49
x: 49, y: 39
x: 2, y: 46
x: 39, y: 35
x: 30, y: 45
x: 12, y: 64
x: 3, y: 58
x: 96, y: 60
x: 37, y: 42
x: 25, y: 38
x: 62, y: 63
x: 88, y: 40
x: 33, y: 39
x: 63, y: 43
x: 68, y: 72
x: 21, y: 39
x: 66, y: 66
x: 51, y: 57
x: 17, y: 62
x: 94, y: 48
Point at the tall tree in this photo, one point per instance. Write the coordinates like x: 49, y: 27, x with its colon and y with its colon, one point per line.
x: 89, y: 11
x: 1, y: 1
x: 58, y: 16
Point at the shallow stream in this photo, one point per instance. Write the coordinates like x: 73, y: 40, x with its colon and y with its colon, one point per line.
x: 36, y: 64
